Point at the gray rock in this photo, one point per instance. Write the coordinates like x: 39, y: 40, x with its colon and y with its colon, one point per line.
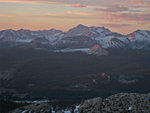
x: 91, y: 106
x: 119, y: 103
x: 34, y: 108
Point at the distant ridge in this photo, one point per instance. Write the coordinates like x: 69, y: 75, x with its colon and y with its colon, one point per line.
x: 80, y: 36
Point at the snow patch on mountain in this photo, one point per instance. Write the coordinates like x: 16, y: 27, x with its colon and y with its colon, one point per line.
x: 72, y: 50
x: 139, y: 39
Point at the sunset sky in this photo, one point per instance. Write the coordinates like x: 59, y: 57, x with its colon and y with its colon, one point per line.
x: 122, y: 16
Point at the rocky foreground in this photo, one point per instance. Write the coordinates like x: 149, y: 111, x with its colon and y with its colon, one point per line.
x: 119, y: 103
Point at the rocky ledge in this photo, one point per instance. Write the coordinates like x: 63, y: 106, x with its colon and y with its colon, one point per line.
x: 119, y: 103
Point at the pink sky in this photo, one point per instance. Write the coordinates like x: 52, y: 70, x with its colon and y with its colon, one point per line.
x: 122, y: 16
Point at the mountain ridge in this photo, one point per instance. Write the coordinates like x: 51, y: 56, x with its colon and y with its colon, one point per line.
x: 74, y: 27
x: 77, y: 36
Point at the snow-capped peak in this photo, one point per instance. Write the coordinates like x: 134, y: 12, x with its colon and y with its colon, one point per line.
x: 81, y: 26
x: 79, y: 30
x: 91, y: 32
x: 139, y: 39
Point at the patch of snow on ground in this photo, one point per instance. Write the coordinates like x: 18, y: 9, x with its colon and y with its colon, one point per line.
x: 72, y: 50
x: 24, y: 41
x: 130, y: 108
x: 76, y: 109
x: 66, y: 111
x: 25, y: 111
x: 53, y: 111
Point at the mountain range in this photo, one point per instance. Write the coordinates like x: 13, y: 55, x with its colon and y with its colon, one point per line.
x: 66, y: 65
x: 79, y: 38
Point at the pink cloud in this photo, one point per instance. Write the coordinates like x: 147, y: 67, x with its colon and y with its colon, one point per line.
x: 138, y: 2
x: 85, y: 2
x: 114, y: 8
x: 79, y: 5
x: 69, y: 15
x: 5, y: 15
x: 78, y: 13
x: 116, y: 25
x: 127, y: 16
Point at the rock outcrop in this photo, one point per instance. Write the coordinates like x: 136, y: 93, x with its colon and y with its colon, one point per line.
x: 34, y: 108
x: 97, y: 50
x: 119, y: 103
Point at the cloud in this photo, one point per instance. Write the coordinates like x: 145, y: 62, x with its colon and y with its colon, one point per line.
x: 138, y: 2
x: 20, y: 1
x: 85, y: 2
x: 63, y: 2
x: 148, y: 3
x: 62, y: 16
x: 5, y: 15
x: 116, y: 25
x: 78, y: 13
x: 115, y: 8
x: 127, y: 16
x: 120, y: 12
x: 79, y: 5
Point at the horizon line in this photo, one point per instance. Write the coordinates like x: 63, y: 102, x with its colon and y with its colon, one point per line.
x: 72, y: 28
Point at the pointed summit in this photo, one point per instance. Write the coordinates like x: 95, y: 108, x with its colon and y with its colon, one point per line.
x: 82, y: 30
x: 81, y: 26
x: 79, y: 30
